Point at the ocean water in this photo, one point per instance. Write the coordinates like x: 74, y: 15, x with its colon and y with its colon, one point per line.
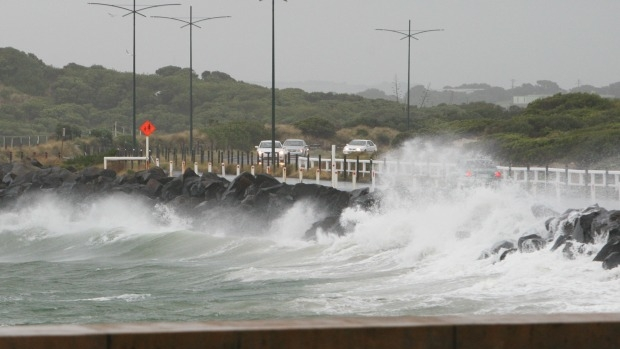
x: 119, y: 259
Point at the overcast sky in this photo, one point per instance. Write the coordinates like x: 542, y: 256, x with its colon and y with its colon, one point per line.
x: 499, y: 42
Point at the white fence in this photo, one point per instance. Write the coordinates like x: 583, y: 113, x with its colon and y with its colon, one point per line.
x: 383, y: 167
x: 565, y: 181
x: 555, y: 181
x: 19, y: 141
x: 542, y: 180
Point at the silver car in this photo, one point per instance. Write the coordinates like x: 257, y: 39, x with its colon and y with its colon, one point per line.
x: 359, y: 146
x: 296, y: 147
x: 265, y: 148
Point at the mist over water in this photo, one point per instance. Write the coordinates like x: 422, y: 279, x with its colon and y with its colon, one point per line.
x: 122, y: 259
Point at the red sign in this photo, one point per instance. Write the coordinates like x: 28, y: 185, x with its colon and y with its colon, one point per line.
x: 147, y: 128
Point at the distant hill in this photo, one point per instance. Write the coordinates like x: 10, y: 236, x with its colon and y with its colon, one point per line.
x: 426, y: 97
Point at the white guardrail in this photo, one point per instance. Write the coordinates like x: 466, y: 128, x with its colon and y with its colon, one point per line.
x: 384, y: 167
x: 564, y: 180
x: 560, y: 181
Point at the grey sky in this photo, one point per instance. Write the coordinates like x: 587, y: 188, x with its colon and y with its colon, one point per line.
x: 486, y: 41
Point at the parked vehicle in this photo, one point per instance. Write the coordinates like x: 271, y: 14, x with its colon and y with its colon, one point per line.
x: 359, y: 146
x: 296, y: 147
x: 264, y: 147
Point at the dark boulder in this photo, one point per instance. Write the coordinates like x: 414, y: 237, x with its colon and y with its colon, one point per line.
x: 497, y: 248
x: 582, y: 226
x: 364, y: 199
x: 612, y: 261
x: 52, y: 177
x: 531, y: 243
x: 506, y: 253
x: 193, y: 187
x: 189, y: 173
x: 153, y: 188
x: 271, y: 202
x: 93, y: 173
x: 585, y: 229
x: 172, y: 189
x: 155, y: 172
x: 572, y: 249
x: 8, y: 178
x: 612, y: 225
x: 214, y: 189
x: 97, y: 185
x: 330, y: 224
x: 20, y: 169
x: 265, y: 181
x: 612, y: 246
x: 559, y: 241
x: 330, y: 199
x: 36, y: 163
x: 185, y: 203
x: 237, y: 189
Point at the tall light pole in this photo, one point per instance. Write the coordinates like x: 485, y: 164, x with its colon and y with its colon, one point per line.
x: 133, y: 11
x: 273, y: 82
x: 409, y: 35
x: 191, y: 23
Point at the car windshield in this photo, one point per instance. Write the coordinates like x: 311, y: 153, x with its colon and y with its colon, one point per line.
x: 479, y: 163
x: 268, y: 145
x: 357, y: 142
x: 294, y: 143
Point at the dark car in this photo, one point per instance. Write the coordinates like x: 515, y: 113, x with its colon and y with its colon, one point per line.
x: 479, y: 172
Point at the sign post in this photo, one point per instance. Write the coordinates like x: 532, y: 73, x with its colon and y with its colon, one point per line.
x: 147, y: 128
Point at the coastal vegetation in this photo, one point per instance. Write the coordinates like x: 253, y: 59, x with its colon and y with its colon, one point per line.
x: 94, y: 105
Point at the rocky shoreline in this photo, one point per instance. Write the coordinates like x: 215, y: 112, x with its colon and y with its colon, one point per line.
x: 574, y: 233
x: 261, y: 196
x: 249, y: 201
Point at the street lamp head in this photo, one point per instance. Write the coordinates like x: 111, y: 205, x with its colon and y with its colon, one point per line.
x: 409, y: 35
x: 133, y: 11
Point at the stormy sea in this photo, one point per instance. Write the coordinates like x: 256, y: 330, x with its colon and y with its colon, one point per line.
x: 422, y: 252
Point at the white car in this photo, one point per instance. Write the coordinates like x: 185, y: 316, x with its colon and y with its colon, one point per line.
x: 265, y: 148
x: 296, y: 147
x: 359, y: 146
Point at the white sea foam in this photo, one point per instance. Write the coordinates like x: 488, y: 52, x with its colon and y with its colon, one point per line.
x: 122, y: 297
